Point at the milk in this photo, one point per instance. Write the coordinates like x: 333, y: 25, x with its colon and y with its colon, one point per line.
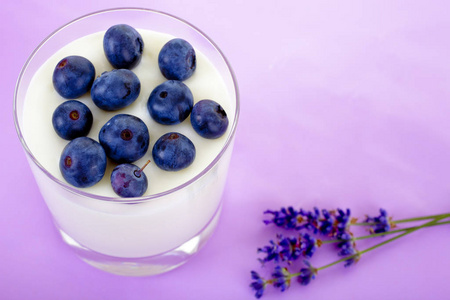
x: 95, y: 217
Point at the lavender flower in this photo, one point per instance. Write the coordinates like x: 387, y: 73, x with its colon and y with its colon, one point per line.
x: 317, y: 223
x: 273, y: 251
x: 306, y: 274
x: 289, y: 248
x: 324, y: 222
x: 285, y: 218
x: 258, y: 285
x: 342, y: 220
x: 379, y: 224
x: 309, y: 245
x: 281, y: 278
x: 311, y: 219
x: 347, y: 247
x: 334, y: 224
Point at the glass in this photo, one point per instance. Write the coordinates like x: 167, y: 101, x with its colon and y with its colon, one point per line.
x: 136, y: 236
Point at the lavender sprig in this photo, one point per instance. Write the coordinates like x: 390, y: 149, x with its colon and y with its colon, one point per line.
x: 324, y: 222
x: 382, y: 223
x: 285, y: 218
x: 333, y: 224
x: 288, y: 249
x: 281, y: 278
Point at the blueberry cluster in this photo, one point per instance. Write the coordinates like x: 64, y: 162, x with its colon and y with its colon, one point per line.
x: 125, y: 138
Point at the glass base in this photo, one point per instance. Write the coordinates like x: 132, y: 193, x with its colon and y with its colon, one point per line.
x: 144, y: 266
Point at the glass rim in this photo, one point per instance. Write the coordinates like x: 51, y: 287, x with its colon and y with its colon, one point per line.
x: 118, y: 199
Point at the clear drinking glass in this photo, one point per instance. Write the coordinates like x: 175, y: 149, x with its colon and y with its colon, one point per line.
x: 137, y: 236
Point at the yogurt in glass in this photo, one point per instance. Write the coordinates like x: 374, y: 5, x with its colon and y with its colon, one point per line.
x: 162, y: 229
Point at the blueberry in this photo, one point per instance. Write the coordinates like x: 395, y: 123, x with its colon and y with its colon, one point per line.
x: 128, y: 180
x: 209, y: 119
x: 177, y: 60
x: 83, y: 162
x: 125, y: 138
x: 72, y: 119
x: 123, y: 46
x: 173, y: 152
x: 73, y: 76
x: 115, y: 89
x: 170, y: 102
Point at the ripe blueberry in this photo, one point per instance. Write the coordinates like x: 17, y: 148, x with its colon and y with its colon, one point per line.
x: 170, y: 102
x: 72, y: 119
x: 73, y: 76
x: 128, y: 180
x: 209, y: 119
x: 177, y: 60
x: 83, y: 162
x: 115, y: 89
x: 123, y: 46
x: 173, y: 152
x: 125, y: 138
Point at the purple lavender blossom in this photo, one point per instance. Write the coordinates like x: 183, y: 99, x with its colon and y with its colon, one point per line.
x: 273, y: 251
x: 380, y: 223
x: 309, y: 245
x: 347, y: 247
x: 281, y: 278
x: 324, y: 222
x: 285, y: 218
x: 342, y: 220
x: 311, y: 219
x: 334, y: 225
x: 306, y: 274
x: 258, y: 285
x: 289, y: 248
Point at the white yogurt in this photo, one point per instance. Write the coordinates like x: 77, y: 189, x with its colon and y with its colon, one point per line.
x: 42, y: 99
x: 116, y: 229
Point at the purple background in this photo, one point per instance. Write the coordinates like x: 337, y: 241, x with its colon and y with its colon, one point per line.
x: 343, y: 104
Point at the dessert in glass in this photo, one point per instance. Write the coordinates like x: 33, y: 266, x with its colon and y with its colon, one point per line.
x: 163, y: 228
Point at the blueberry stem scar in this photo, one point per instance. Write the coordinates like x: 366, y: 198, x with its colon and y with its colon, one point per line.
x: 126, y: 134
x: 74, y: 115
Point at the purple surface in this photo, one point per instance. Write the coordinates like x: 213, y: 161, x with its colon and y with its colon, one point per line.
x: 344, y: 104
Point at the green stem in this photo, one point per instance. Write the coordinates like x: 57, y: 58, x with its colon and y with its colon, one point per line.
x: 446, y: 215
x: 431, y: 223
x: 385, y: 233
